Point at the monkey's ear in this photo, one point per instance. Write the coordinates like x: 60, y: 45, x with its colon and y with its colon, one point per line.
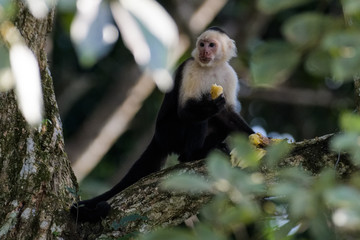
x: 232, y: 48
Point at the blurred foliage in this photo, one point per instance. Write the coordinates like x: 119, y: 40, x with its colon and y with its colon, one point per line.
x: 293, y: 205
x: 305, y: 44
x: 327, y: 44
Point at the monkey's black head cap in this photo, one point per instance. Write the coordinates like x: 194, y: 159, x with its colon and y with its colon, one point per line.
x: 218, y: 29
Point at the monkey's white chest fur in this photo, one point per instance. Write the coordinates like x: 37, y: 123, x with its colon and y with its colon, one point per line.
x: 198, y: 80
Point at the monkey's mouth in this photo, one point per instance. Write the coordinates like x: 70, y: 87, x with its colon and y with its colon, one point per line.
x: 205, y: 59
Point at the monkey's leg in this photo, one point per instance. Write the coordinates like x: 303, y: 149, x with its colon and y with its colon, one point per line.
x: 94, y: 209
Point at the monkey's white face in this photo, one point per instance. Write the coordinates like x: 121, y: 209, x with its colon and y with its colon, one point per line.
x: 213, y: 48
x: 207, y: 50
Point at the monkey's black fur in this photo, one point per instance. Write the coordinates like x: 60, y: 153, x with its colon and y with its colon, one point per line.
x: 191, y: 130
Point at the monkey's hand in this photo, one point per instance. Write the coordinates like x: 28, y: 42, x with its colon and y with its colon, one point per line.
x: 219, y: 102
x: 259, y: 140
x: 216, y: 91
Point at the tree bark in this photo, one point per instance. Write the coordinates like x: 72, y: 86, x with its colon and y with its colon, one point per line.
x: 144, y: 206
x: 35, y: 172
x: 357, y: 93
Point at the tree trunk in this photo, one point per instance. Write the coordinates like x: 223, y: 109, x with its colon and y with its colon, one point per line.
x: 35, y: 172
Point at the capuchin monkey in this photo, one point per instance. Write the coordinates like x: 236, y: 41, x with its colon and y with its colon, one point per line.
x: 190, y: 122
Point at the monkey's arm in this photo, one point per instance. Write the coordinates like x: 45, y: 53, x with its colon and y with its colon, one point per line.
x: 199, y: 110
x: 234, y: 121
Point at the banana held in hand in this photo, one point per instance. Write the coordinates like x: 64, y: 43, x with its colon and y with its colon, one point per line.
x: 216, y: 91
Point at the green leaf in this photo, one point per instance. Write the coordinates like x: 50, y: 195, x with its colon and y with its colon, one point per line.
x: 342, y: 196
x: 318, y: 63
x: 351, y: 7
x: 274, y: 6
x: 244, y: 153
x: 283, y: 231
x: 349, y: 142
x: 245, y: 212
x: 282, y: 189
x: 344, y: 48
x: 350, y: 122
x: 344, y: 141
x: 351, y: 10
x: 164, y: 234
x: 188, y: 183
x: 208, y: 232
x: 320, y: 228
x: 326, y: 180
x: 276, y: 152
x: 218, y: 166
x: 271, y: 63
x: 305, y: 29
x: 302, y: 204
x: 291, y: 180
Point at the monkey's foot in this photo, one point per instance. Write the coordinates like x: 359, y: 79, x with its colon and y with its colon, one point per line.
x: 83, y: 211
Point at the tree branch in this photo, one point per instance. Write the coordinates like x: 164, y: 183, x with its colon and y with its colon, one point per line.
x: 150, y: 207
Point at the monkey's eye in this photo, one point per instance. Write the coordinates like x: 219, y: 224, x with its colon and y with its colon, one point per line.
x: 212, y: 45
x: 202, y: 44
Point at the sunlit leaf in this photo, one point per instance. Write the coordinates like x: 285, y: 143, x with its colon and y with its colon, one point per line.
x: 344, y: 48
x: 40, y: 8
x: 273, y: 62
x: 188, y: 183
x: 6, y: 77
x: 350, y: 122
x: 93, y: 31
x: 28, y: 83
x: 306, y: 29
x: 274, y: 6
x: 150, y: 34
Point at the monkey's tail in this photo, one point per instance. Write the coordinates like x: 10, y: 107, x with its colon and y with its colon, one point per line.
x: 94, y: 209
